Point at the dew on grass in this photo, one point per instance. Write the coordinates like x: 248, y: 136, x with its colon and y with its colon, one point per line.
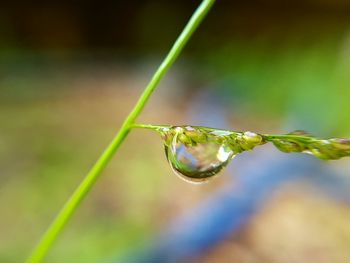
x: 195, y: 155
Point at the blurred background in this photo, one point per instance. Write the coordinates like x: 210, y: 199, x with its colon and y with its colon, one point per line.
x: 71, y: 71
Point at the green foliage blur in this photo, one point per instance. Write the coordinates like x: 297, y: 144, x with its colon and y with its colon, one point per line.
x: 70, y: 74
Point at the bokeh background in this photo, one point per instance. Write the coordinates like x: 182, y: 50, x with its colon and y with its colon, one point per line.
x: 71, y: 71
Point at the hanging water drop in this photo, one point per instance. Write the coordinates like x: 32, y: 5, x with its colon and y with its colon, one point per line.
x: 196, y: 155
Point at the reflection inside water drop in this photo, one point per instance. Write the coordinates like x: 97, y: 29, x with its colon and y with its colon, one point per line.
x: 196, y: 156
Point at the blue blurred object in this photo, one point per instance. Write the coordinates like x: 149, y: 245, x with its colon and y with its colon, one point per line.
x: 258, y: 174
x: 228, y: 209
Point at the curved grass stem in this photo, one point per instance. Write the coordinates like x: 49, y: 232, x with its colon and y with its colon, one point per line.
x: 74, y: 201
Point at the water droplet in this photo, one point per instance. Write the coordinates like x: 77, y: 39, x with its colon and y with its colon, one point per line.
x: 196, y: 155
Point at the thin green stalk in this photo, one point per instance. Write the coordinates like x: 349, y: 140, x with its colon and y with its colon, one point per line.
x: 267, y: 137
x: 72, y: 204
x: 271, y: 137
x: 297, y: 141
x: 150, y: 126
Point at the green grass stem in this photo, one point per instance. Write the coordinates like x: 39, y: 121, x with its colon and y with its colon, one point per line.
x: 74, y: 201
